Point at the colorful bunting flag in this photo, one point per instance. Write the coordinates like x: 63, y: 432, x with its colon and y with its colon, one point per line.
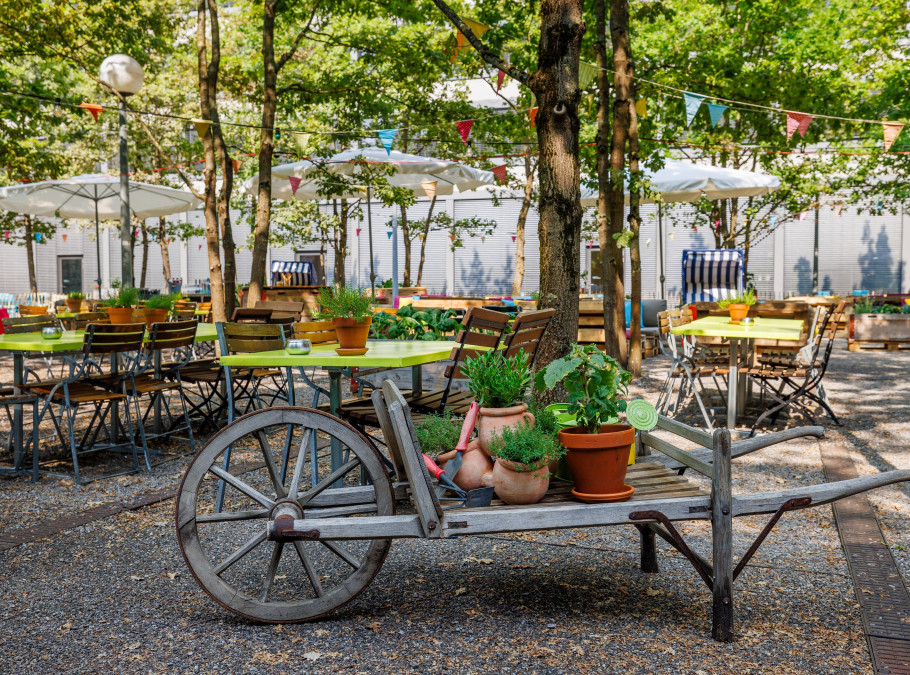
x: 532, y: 113
x: 39, y: 236
x: 514, y: 237
x: 500, y: 76
x: 452, y: 237
x: 693, y: 103
x: 302, y: 138
x: 358, y: 231
x: 891, y: 130
x: 483, y: 239
x: 429, y: 187
x: 64, y: 237
x: 389, y: 234
x: 295, y: 183
x: 797, y: 122
x: 236, y: 164
x: 641, y: 107
x: 93, y: 108
x: 6, y: 235
x: 202, y: 127
x: 460, y: 40
x: 200, y: 247
x: 387, y: 136
x: 802, y: 215
x: 716, y: 113
x: 464, y: 128
x: 500, y: 172
x: 169, y: 240
x: 586, y: 73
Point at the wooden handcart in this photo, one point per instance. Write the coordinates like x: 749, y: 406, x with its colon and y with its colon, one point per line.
x: 296, y: 540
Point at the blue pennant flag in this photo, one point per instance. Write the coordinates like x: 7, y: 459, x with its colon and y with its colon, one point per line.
x: 716, y: 111
x: 38, y: 236
x: 387, y: 136
x: 389, y: 233
x: 693, y: 103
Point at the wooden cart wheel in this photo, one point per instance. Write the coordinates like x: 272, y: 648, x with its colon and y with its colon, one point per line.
x: 228, y: 552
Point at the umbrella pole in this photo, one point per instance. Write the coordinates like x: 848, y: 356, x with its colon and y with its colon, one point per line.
x: 394, y: 259
x: 660, y: 250
x: 370, y: 233
x: 97, y: 243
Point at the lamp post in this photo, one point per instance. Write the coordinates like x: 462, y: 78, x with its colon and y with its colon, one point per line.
x: 123, y: 74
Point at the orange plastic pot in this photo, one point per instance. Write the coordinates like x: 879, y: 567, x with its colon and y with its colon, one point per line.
x: 120, y: 315
x: 598, y: 461
x: 352, y: 334
x: 738, y: 312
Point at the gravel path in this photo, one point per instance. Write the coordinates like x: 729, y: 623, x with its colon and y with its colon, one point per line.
x: 115, y: 595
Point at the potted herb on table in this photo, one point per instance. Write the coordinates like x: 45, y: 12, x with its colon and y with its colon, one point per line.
x: 351, y: 312
x: 597, y: 451
x: 498, y: 384
x: 738, y: 305
x: 521, y: 474
x: 120, y: 306
x: 157, y: 307
x: 74, y: 302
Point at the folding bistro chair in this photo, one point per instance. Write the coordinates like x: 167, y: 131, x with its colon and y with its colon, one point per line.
x: 527, y: 332
x: 251, y: 315
x: 9, y: 399
x: 35, y: 324
x: 82, y: 319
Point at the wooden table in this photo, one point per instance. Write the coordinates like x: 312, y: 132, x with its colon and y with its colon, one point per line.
x: 742, y: 339
x: 20, y: 344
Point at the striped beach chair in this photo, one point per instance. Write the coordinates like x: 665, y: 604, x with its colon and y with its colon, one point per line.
x: 710, y: 275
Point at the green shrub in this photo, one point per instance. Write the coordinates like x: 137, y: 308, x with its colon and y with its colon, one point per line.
x: 438, y: 433
x: 345, y: 302
x: 545, y: 419
x: 160, y: 301
x: 747, y: 298
x: 497, y: 381
x: 127, y: 296
x: 527, y: 445
x: 75, y: 295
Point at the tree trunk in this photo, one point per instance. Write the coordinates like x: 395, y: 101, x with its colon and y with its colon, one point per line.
x: 208, y: 80
x: 341, y: 241
x: 145, y: 254
x: 266, y: 150
x: 165, y: 253
x: 30, y: 253
x: 423, y: 241
x: 611, y: 271
x: 634, y: 247
x: 520, y: 229
x: 406, y: 234
x: 556, y: 86
x: 224, y: 216
x: 132, y: 255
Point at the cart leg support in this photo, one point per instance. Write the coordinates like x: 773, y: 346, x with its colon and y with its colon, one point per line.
x: 722, y: 537
x: 648, y: 549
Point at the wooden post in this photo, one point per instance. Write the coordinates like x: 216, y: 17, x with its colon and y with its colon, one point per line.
x: 722, y: 538
x: 648, y: 550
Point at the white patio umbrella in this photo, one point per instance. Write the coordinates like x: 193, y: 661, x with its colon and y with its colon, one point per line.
x: 94, y: 196
x: 681, y: 181
x: 411, y: 172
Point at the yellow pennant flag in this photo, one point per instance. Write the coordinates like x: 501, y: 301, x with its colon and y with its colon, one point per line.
x: 202, y: 127
x: 460, y: 40
x: 429, y: 187
x: 892, y: 130
x: 586, y: 73
x: 302, y: 139
x: 641, y: 107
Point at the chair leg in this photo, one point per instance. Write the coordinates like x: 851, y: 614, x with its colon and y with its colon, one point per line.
x: 35, y: 443
x: 71, y: 434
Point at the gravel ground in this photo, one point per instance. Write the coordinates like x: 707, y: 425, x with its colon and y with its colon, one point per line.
x: 115, y: 595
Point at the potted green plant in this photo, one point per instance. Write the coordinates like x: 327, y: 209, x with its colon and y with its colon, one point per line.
x: 498, y: 384
x: 738, y: 305
x: 157, y: 307
x: 521, y: 474
x: 74, y: 301
x: 120, y: 306
x: 597, y: 451
x: 351, y: 312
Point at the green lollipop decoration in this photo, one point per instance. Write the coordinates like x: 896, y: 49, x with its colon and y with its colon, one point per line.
x: 641, y: 414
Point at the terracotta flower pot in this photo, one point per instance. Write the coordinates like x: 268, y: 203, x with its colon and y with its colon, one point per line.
x: 491, y: 421
x: 74, y: 305
x: 154, y: 316
x: 598, y: 461
x: 476, y: 467
x: 516, y: 483
x: 738, y: 312
x: 120, y: 315
x: 352, y: 334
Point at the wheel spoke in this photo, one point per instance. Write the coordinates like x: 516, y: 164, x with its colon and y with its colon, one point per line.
x: 270, y: 463
x: 273, y: 568
x: 252, y: 493
x: 231, y: 515
x: 339, y: 473
x: 342, y: 553
x: 251, y: 543
x: 308, y: 566
x: 298, y: 467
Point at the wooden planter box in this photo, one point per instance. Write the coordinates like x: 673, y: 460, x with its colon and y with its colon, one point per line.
x: 403, y: 291
x: 892, y: 330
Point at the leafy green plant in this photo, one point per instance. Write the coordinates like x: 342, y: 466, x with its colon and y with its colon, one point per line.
x: 905, y: 309
x: 545, y: 419
x: 385, y: 284
x: 412, y: 324
x: 127, y: 296
x: 345, y: 302
x: 75, y: 295
x: 495, y: 380
x: 746, y: 298
x: 595, y: 382
x: 160, y: 301
x: 438, y: 433
x: 530, y: 447
x: 864, y: 306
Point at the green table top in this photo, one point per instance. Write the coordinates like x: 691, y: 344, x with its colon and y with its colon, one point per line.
x: 72, y: 339
x: 383, y: 353
x: 70, y: 315
x: 762, y: 329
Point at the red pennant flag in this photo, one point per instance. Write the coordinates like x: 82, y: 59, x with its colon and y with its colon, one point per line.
x: 891, y: 130
x: 499, y: 78
x: 236, y: 163
x: 93, y: 108
x: 295, y: 183
x: 514, y: 237
x: 169, y: 240
x: 358, y: 231
x: 797, y: 122
x: 464, y: 128
x: 532, y: 113
x: 500, y: 172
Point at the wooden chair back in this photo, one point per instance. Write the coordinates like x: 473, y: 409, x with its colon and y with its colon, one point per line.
x: 32, y: 310
x: 317, y: 332
x: 249, y: 338
x: 251, y: 315
x: 673, y: 317
x: 527, y: 332
x: 480, y: 328
x: 173, y: 335
x: 81, y: 320
x: 283, y: 308
x: 286, y: 323
x: 29, y: 324
x: 113, y: 338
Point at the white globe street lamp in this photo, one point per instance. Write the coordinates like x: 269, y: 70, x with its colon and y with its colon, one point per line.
x: 123, y: 74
